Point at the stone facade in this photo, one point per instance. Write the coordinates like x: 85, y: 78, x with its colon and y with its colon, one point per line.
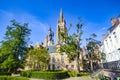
x: 58, y: 61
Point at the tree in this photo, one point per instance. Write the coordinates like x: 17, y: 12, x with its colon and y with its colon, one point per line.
x: 72, y: 44
x: 93, y: 50
x: 37, y: 58
x: 14, y: 47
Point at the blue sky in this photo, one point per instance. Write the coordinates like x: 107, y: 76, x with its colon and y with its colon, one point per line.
x: 42, y: 14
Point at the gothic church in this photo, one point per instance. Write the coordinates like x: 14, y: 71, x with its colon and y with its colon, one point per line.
x: 58, y: 61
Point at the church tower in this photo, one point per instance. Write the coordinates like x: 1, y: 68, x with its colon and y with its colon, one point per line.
x: 49, y: 38
x: 61, y: 27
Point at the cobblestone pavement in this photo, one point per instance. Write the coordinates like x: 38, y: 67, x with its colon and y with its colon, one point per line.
x: 72, y: 78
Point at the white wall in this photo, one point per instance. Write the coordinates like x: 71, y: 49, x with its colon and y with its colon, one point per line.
x: 111, y: 44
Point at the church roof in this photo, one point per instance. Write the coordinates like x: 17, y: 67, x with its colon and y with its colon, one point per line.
x: 51, y: 49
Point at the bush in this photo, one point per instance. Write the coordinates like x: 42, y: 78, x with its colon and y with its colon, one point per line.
x: 72, y: 73
x: 83, y: 74
x: 76, y: 74
x: 26, y: 73
x: 12, y: 78
x: 45, y: 74
x: 101, y: 77
x: 5, y: 73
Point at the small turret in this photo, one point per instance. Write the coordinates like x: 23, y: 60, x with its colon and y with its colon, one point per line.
x: 37, y: 45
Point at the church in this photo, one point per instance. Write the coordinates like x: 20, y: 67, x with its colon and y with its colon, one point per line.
x: 58, y: 61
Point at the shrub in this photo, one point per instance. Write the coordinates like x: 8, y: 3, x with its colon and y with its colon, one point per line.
x: 83, y: 74
x: 72, y: 73
x: 12, y: 78
x: 5, y: 73
x: 75, y: 74
x: 45, y: 74
x: 101, y: 77
x: 26, y: 73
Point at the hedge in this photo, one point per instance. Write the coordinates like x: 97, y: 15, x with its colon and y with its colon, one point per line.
x: 52, y: 74
x: 5, y: 73
x: 76, y: 74
x: 12, y: 78
x: 72, y: 73
x: 83, y: 74
x: 45, y: 74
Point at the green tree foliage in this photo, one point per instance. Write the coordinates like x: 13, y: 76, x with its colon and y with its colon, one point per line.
x: 37, y: 58
x: 93, y: 49
x: 14, y: 47
x: 72, y: 44
x: 102, y: 56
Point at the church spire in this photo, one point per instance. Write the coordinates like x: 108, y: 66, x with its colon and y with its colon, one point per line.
x: 61, y: 15
x: 61, y: 27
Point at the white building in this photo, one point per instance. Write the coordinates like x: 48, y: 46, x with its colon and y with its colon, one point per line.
x: 111, y: 41
x: 111, y: 48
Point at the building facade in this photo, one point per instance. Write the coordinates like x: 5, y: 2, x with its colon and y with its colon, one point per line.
x: 111, y: 48
x: 58, y: 61
x: 111, y: 41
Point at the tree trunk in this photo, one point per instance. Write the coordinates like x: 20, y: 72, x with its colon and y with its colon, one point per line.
x: 78, y: 63
x: 91, y: 65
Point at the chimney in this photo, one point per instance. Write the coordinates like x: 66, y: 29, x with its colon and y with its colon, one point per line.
x: 103, y: 36
x: 113, y: 21
x: 119, y: 18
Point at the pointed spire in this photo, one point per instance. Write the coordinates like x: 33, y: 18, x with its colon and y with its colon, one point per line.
x: 61, y: 15
x: 37, y: 45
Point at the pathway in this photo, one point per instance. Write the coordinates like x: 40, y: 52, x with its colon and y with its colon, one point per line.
x: 72, y: 78
x: 80, y: 78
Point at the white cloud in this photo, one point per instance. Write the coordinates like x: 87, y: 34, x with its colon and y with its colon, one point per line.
x: 39, y: 29
x: 103, y: 28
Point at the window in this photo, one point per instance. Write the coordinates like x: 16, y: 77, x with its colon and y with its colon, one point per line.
x: 115, y: 36
x: 58, y: 67
x: 49, y: 67
x: 66, y: 66
x: 106, y: 42
x: 111, y: 41
x: 62, y: 59
x: 53, y: 67
x: 72, y: 66
x: 53, y: 59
